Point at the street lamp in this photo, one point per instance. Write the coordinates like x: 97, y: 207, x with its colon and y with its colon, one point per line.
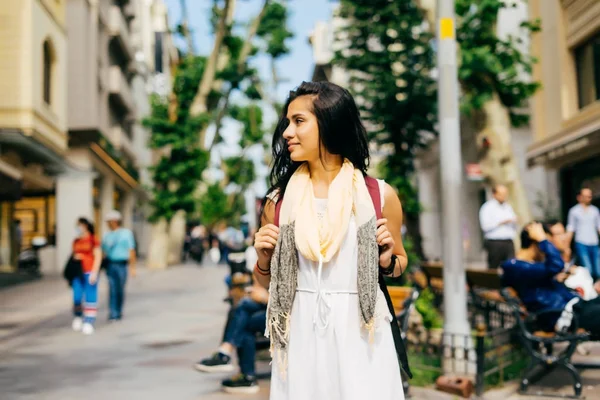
x: 455, y: 296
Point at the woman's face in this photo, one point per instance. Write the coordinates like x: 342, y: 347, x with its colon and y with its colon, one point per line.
x: 302, y: 134
x: 81, y: 229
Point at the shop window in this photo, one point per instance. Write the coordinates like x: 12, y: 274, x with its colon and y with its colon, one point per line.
x: 587, y: 63
x: 37, y: 216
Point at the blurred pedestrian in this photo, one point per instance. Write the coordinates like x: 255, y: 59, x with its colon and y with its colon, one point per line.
x: 86, y: 250
x: 118, y: 246
x: 499, y: 225
x: 332, y: 334
x: 584, y: 225
x: 198, y: 243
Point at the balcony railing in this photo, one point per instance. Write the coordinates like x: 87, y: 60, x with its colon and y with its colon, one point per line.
x: 119, y: 30
x: 122, y: 143
x: 119, y: 89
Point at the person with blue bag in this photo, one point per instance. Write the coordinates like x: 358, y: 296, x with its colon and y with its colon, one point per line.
x: 118, y: 246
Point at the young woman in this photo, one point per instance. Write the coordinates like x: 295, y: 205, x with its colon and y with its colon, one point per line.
x: 328, y: 320
x: 86, y: 249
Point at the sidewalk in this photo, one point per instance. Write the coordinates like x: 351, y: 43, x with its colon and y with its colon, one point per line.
x: 28, y: 306
x: 172, y: 318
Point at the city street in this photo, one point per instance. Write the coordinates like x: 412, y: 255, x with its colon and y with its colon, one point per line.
x: 172, y: 319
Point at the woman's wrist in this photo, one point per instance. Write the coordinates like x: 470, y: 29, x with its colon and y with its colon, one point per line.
x: 389, y: 267
x: 261, y: 270
x: 387, y: 262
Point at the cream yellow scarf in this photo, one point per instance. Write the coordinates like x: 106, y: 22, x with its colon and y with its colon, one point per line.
x: 348, y: 194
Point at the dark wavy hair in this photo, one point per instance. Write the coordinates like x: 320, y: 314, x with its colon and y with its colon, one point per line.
x: 88, y: 225
x: 341, y: 131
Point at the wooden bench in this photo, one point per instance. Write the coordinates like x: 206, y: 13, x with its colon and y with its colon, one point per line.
x: 403, y: 299
x: 535, y: 340
x: 483, y: 283
x: 431, y: 275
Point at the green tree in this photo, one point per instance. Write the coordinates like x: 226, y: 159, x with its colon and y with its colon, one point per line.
x: 386, y: 47
x: 494, y: 79
x: 491, y: 66
x: 175, y: 137
x: 201, y: 91
x: 269, y: 34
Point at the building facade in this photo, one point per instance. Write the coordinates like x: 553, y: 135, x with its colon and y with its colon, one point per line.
x: 155, y: 59
x: 79, y: 74
x: 566, y: 110
x: 33, y: 121
x: 115, y: 49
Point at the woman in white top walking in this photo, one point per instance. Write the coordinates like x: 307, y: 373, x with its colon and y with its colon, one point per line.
x: 322, y: 250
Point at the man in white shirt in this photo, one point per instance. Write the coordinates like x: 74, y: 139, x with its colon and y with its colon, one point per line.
x: 499, y: 225
x: 584, y: 225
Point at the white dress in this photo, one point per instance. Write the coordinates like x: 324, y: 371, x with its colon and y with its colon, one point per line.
x: 329, y: 354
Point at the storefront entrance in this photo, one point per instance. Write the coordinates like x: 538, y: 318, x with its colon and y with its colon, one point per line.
x: 576, y: 176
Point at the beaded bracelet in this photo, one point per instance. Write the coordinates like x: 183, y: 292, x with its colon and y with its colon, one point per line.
x: 261, y: 271
x: 390, y: 270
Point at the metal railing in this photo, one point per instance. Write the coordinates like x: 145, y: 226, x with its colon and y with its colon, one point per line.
x: 490, y: 355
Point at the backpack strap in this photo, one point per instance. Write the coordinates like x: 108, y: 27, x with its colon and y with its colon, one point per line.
x: 375, y: 193
x: 278, y: 210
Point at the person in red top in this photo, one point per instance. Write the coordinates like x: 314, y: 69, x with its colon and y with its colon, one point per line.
x: 86, y: 249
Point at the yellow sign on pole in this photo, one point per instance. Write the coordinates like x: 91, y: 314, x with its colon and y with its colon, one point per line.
x: 446, y: 28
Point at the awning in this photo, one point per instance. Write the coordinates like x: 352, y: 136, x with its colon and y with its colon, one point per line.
x: 36, y: 152
x: 567, y: 146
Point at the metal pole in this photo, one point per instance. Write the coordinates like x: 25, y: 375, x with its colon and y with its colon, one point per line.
x: 455, y: 296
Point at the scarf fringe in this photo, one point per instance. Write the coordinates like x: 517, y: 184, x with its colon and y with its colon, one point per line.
x: 370, y: 328
x: 282, y: 334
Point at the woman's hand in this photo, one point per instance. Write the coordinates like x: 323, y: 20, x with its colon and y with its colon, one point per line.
x: 536, y: 232
x: 264, y: 243
x: 385, y: 240
x: 258, y: 294
x: 93, y: 277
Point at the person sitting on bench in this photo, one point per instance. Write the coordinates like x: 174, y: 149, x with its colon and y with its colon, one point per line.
x: 575, y: 277
x: 243, y: 323
x: 532, y: 273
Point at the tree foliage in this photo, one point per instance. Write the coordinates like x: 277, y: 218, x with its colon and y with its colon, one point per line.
x: 175, y: 136
x: 386, y: 47
x: 239, y: 76
x: 490, y: 65
x: 273, y: 30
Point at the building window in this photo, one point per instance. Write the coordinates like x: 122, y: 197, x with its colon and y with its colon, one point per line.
x: 48, y: 65
x: 587, y: 62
